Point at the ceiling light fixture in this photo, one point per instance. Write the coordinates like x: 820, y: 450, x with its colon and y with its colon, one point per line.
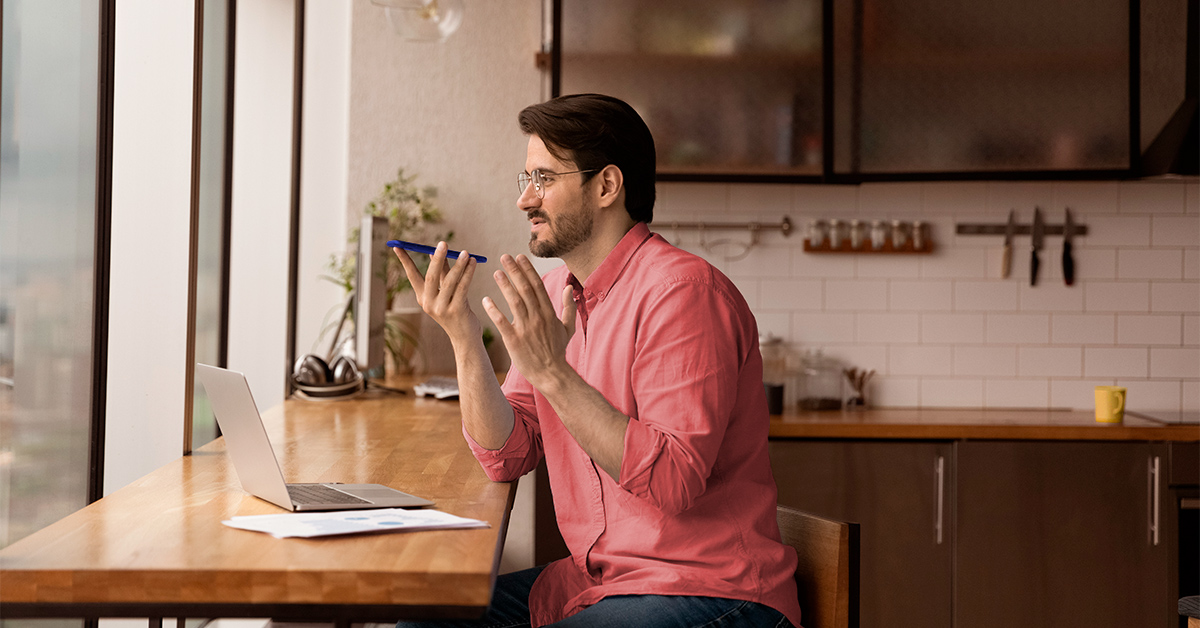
x: 423, y: 20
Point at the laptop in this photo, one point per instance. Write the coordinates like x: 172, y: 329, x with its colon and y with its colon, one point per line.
x: 256, y: 465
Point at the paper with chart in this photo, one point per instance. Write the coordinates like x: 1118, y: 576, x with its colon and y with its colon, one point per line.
x: 315, y: 524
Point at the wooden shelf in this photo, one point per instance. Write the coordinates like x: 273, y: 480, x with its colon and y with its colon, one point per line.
x: 867, y: 249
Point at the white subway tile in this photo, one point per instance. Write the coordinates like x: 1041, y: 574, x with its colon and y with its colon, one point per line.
x: 958, y: 198
x: 986, y: 296
x: 1193, y: 198
x: 863, y: 357
x: 1084, y: 197
x: 891, y: 199
x: 1116, y: 296
x: 1174, y: 362
x: 985, y: 361
x: 774, y: 200
x: 825, y: 201
x: 1075, y: 394
x: 951, y: 393
x: 855, y: 295
x: 1150, y: 264
x: 1175, y: 230
x: 920, y: 360
x: 821, y: 266
x: 1175, y: 297
x: 1149, y: 329
x: 689, y: 199
x: 749, y: 289
x: 888, y: 327
x: 1106, y: 362
x: 884, y: 266
x: 1094, y: 263
x: 956, y: 263
x: 1018, y: 328
x: 1022, y: 196
x: 1150, y: 394
x: 1016, y: 393
x: 1191, y: 264
x: 1191, y: 396
x: 1150, y: 197
x: 1050, y: 361
x: 952, y: 328
x: 1191, y: 330
x: 894, y: 392
x: 1106, y: 230
x: 820, y: 328
x: 775, y: 323
x: 1083, y: 329
x: 763, y: 261
x: 790, y: 294
x: 920, y: 295
x: 1051, y: 295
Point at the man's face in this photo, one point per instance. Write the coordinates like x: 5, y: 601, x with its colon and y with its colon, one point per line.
x: 564, y: 218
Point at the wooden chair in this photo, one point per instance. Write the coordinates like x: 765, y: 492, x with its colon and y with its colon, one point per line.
x: 827, y: 573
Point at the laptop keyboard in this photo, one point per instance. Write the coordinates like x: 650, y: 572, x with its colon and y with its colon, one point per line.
x: 320, y: 494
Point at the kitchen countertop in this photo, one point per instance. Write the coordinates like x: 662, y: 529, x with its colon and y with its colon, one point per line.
x: 974, y: 423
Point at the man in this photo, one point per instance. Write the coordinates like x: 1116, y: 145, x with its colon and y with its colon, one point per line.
x: 637, y: 374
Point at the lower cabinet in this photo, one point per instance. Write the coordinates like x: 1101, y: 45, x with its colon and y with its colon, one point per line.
x: 900, y: 493
x: 1063, y: 534
x: 980, y: 534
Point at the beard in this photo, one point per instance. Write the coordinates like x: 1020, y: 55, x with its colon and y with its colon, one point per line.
x: 565, y: 232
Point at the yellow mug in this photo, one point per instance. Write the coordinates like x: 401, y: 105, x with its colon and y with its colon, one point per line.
x: 1110, y: 404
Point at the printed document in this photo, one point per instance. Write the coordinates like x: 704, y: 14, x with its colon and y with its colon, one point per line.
x: 309, y: 525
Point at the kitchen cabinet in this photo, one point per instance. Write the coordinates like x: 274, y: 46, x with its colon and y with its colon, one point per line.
x: 727, y: 87
x: 856, y: 90
x: 930, y: 86
x: 1032, y: 533
x: 900, y: 494
x: 1062, y: 535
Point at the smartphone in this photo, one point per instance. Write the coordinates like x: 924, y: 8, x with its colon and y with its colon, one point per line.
x: 428, y: 250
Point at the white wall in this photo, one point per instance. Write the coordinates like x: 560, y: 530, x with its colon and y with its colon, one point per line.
x: 151, y: 183
x: 324, y: 167
x: 945, y: 330
x: 262, y: 161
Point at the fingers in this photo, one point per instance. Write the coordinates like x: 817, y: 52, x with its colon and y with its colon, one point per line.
x: 568, y: 309
x: 526, y: 280
x: 411, y: 271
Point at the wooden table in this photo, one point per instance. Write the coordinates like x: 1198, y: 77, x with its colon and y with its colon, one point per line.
x: 157, y: 548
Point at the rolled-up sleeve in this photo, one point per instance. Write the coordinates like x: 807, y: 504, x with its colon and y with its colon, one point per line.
x: 522, y: 451
x: 685, y: 379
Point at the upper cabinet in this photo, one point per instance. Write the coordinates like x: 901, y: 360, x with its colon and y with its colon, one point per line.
x: 855, y: 90
x: 727, y: 87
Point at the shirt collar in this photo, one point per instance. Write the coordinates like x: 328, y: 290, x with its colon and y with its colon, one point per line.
x: 602, y: 279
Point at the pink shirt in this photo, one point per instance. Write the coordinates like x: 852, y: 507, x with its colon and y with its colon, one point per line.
x: 670, y: 342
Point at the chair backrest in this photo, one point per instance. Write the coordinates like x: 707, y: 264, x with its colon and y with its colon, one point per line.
x: 827, y: 572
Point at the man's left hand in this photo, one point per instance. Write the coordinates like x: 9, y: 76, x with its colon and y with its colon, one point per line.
x: 536, y: 338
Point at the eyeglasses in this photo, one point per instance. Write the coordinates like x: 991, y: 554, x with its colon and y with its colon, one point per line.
x: 542, y: 179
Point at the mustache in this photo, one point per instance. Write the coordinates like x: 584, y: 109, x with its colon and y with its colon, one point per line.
x: 537, y: 213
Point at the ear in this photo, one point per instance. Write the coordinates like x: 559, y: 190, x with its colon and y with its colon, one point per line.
x: 611, y: 185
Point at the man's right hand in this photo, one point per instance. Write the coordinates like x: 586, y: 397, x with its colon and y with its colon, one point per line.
x: 442, y: 293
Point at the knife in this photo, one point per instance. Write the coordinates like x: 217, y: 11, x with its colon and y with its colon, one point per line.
x: 1039, y: 232
x: 1009, y: 231
x: 1068, y: 261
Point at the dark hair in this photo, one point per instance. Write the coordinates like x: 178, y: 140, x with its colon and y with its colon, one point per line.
x: 593, y: 131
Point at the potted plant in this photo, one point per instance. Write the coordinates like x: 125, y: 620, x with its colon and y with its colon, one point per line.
x: 411, y: 212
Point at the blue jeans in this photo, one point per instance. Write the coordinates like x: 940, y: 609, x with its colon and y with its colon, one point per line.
x: 510, y: 609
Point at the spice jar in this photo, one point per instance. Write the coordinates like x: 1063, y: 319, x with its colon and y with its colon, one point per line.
x: 820, y: 383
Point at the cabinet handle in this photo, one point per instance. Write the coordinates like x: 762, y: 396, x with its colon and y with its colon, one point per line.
x: 939, y: 471
x: 1155, y: 506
